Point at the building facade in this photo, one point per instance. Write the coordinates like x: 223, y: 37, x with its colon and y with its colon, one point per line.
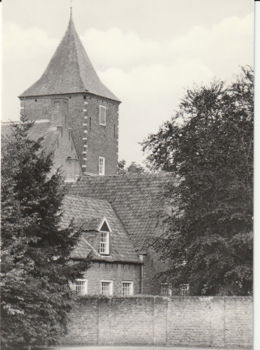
x: 115, y: 267
x: 118, y: 215
x: 138, y: 203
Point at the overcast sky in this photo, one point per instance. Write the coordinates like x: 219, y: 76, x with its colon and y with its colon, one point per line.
x: 146, y: 51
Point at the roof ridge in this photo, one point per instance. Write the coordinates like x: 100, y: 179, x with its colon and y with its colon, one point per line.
x: 144, y: 175
x: 74, y: 32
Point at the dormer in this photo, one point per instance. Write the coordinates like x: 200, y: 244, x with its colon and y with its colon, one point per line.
x: 104, y: 243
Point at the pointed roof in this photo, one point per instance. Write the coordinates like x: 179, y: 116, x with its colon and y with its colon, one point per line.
x: 69, y: 71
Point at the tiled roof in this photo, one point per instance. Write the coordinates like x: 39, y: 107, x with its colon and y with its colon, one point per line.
x: 88, y: 214
x: 69, y: 71
x: 137, y: 200
x: 40, y: 129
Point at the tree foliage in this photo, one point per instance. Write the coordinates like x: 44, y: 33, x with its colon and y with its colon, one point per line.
x: 208, y: 144
x: 132, y: 169
x: 36, y: 251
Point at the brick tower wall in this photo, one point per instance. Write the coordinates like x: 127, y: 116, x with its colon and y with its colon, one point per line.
x: 91, y: 139
x: 102, y: 140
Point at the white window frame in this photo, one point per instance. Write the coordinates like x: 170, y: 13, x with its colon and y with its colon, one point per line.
x: 104, y: 244
x: 85, y: 286
x: 184, y: 289
x: 102, y: 122
x: 101, y: 170
x: 167, y: 289
x: 111, y: 287
x: 131, y: 288
x: 106, y: 250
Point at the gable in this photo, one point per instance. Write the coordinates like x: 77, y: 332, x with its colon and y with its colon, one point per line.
x: 88, y: 214
x: 138, y: 200
x: 104, y: 227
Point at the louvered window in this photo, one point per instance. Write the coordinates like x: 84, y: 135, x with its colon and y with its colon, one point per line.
x: 102, y: 115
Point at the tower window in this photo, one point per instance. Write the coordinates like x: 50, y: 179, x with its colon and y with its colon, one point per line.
x: 102, y: 115
x: 101, y: 166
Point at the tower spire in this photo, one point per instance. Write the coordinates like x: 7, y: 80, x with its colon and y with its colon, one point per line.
x: 70, y: 9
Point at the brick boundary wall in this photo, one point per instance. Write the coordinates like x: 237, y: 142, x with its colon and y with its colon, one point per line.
x: 154, y: 320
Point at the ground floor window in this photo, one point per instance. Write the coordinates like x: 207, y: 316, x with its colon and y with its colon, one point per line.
x: 107, y: 288
x: 184, y: 289
x: 81, y: 286
x: 165, y: 289
x: 127, y: 288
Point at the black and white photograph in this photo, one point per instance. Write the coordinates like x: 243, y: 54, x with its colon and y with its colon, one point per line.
x: 127, y: 174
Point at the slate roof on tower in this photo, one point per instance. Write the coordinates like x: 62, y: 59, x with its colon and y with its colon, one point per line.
x: 69, y: 71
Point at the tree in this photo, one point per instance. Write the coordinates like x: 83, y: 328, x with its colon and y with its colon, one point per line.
x: 208, y: 144
x: 132, y: 169
x: 36, y: 264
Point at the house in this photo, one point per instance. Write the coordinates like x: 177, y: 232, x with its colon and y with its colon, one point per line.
x: 137, y: 202
x: 119, y: 215
x: 115, y: 266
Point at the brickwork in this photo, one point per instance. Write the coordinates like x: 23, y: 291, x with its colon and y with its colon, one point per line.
x: 36, y: 108
x: 182, y: 321
x: 91, y: 140
x: 238, y: 332
x: 150, y: 282
x: 116, y: 272
x: 102, y: 140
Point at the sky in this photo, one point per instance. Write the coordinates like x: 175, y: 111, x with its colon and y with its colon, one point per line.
x: 148, y: 52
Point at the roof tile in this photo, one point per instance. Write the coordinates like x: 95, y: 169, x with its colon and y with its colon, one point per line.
x: 88, y: 214
x: 136, y: 199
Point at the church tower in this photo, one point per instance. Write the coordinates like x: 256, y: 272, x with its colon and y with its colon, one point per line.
x: 72, y: 98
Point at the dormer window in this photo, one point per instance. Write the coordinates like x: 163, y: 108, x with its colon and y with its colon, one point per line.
x: 102, y: 115
x: 104, y: 238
